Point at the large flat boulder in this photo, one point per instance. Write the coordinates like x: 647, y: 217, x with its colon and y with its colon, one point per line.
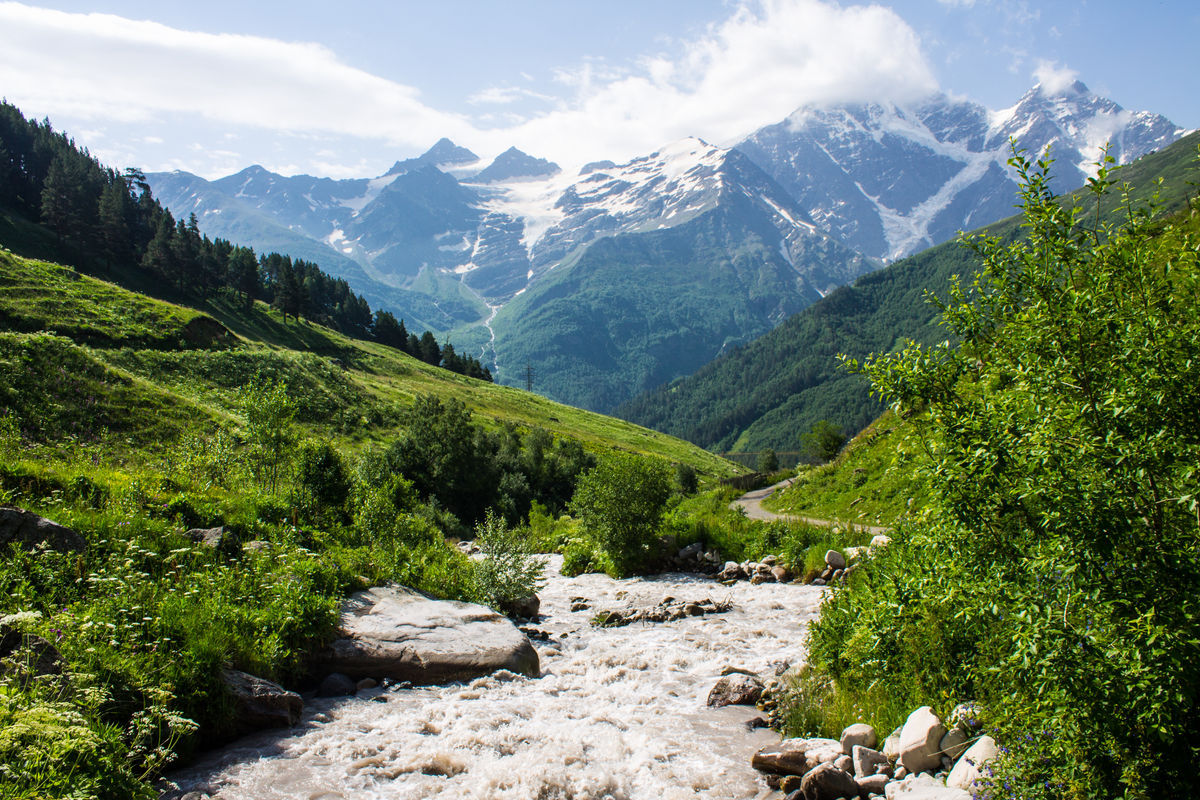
x: 395, y: 632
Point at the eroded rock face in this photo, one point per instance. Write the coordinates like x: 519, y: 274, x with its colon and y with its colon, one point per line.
x: 21, y: 527
x: 394, y: 632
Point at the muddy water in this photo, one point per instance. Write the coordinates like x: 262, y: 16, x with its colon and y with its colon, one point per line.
x: 617, y: 713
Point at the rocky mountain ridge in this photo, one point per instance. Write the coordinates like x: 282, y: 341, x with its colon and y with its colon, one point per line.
x: 472, y: 250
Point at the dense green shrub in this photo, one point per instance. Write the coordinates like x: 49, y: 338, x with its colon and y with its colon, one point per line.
x: 509, y: 571
x: 620, y: 504
x: 1056, y: 576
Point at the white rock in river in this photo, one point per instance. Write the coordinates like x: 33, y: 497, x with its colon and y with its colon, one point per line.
x: 395, y: 632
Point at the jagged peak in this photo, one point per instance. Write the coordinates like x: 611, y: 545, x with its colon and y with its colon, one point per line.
x: 516, y: 164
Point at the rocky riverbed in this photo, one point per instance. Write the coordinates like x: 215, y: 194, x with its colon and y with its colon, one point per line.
x: 617, y: 712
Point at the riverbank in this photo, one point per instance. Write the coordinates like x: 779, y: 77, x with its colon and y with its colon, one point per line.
x: 617, y: 712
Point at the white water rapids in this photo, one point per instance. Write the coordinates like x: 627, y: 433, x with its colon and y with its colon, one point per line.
x: 617, y: 713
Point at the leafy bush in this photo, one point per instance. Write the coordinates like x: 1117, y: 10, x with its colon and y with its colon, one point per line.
x: 1056, y: 575
x: 620, y: 504
x: 322, y: 481
x: 509, y: 570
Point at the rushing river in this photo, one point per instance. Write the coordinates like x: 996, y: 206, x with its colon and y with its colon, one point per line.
x: 617, y: 713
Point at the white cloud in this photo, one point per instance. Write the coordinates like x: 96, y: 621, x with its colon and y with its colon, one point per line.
x: 504, y: 95
x: 100, y: 66
x: 754, y: 68
x: 1053, y: 78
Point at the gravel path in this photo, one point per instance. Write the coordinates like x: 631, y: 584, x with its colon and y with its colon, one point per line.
x: 751, y: 503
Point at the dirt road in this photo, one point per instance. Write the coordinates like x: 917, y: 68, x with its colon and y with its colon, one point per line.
x: 751, y: 503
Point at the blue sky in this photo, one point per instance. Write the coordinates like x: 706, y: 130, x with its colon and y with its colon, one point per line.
x: 346, y: 89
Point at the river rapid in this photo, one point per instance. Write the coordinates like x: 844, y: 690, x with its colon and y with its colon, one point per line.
x: 617, y: 713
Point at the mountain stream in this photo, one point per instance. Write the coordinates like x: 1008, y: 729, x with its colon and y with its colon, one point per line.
x: 617, y: 713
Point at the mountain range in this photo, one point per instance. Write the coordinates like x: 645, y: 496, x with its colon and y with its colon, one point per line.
x: 606, y: 283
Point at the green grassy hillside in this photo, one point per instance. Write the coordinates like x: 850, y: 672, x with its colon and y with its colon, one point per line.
x: 200, y: 359
x: 873, y: 480
x: 768, y: 393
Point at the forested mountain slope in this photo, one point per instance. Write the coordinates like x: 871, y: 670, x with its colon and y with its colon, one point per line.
x: 770, y: 392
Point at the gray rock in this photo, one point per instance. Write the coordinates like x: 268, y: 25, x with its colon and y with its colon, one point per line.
x: 394, y: 632
x: 923, y: 787
x: 39, y: 658
x: 844, y: 763
x: 891, y: 745
x: 690, y: 552
x: 968, y: 768
x: 920, y: 741
x: 524, y: 607
x: 737, y: 689
x: 220, y: 539
x: 21, y: 527
x: 872, y: 784
x: 260, y: 703
x: 954, y: 743
x: 818, y: 582
x: 867, y: 761
x: 781, y: 574
x: 336, y: 684
x: 965, y: 716
x: 770, y: 561
x: 827, y: 782
x: 795, y: 756
x: 835, y: 560
x: 732, y: 571
x: 366, y: 683
x: 759, y: 578
x: 859, y: 734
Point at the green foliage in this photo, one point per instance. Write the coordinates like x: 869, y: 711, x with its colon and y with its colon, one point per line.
x: 620, y: 504
x: 822, y: 442
x: 269, y: 414
x: 509, y: 570
x: 1056, y: 575
x: 709, y: 519
x: 686, y: 480
x: 768, y: 461
x: 322, y: 481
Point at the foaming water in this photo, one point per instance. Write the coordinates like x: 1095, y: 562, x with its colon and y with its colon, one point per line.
x: 618, y: 712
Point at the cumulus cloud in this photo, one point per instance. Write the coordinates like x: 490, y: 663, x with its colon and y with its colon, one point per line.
x: 754, y: 68
x: 1054, y: 78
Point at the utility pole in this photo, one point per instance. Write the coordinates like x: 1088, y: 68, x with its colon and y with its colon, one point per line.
x: 529, y: 377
